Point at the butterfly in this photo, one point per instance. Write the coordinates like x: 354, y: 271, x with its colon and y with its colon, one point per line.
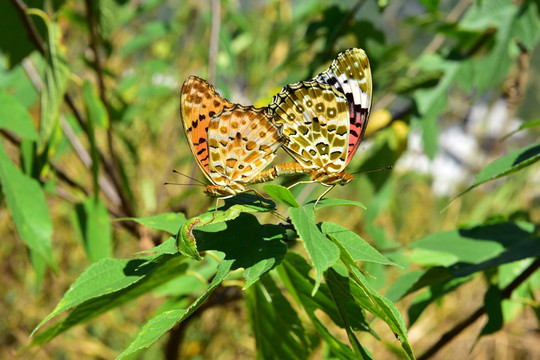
x: 324, y: 119
x: 231, y: 143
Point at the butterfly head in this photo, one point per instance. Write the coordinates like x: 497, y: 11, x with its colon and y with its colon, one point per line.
x: 222, y: 191
x: 327, y: 178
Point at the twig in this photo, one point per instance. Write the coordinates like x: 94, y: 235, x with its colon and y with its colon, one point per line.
x: 456, y: 330
x: 214, y: 40
x: 221, y: 296
x: 331, y: 40
x: 109, y: 168
x: 112, y: 166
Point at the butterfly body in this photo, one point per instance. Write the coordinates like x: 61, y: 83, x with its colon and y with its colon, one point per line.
x: 232, y: 143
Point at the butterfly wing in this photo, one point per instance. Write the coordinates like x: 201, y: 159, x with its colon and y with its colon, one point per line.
x: 199, y: 103
x: 242, y: 141
x: 350, y: 74
x: 313, y: 118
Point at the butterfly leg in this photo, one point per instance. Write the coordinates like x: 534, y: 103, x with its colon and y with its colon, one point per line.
x: 215, y: 210
x: 301, y: 182
x: 330, y: 187
x: 259, y: 195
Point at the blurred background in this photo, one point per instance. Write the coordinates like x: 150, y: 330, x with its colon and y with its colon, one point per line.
x: 451, y: 79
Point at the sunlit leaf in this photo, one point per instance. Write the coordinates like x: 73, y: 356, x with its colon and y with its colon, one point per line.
x: 159, y: 325
x: 322, y: 252
x: 15, y: 117
x: 28, y: 208
x: 271, y: 317
x: 169, y: 222
x: 358, y: 248
x: 281, y: 194
x: 95, y: 224
x: 506, y: 165
x: 107, y: 284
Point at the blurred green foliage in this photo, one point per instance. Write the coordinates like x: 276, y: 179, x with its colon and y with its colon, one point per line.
x: 90, y: 129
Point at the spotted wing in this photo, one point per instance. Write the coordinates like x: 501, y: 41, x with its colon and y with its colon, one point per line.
x: 199, y: 103
x: 242, y: 142
x: 350, y: 74
x: 313, y: 118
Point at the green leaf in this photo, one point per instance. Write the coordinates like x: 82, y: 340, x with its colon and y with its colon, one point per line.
x: 107, y: 284
x: 432, y: 102
x: 432, y: 294
x: 358, y: 248
x: 95, y: 109
x: 15, y: 117
x: 415, y: 280
x: 187, y: 244
x: 150, y: 33
x: 506, y: 165
x: 152, y: 330
x: 337, y: 202
x: 493, y: 306
x: 375, y: 303
x: 475, y: 244
x: 255, y: 248
x: 526, y: 125
x: 294, y: 271
x: 343, y: 299
x: 56, y: 77
x: 273, y: 318
x: 15, y: 44
x: 166, y: 247
x: 95, y: 224
x: 169, y: 222
x: 322, y: 252
x: 281, y: 194
x: 28, y: 208
x: 163, y: 322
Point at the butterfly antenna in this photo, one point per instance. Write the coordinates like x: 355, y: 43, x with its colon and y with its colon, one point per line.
x: 171, y: 183
x: 374, y: 170
x: 189, y: 177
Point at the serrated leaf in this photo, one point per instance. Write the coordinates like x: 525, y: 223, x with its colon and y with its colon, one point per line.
x: 358, y: 248
x: 107, y: 284
x: 187, y: 243
x: 96, y: 228
x: 15, y: 117
x: 294, y: 272
x: 169, y: 222
x: 28, y: 208
x: 272, y: 317
x: 343, y: 299
x: 166, y: 247
x: 506, y: 165
x: 375, y: 303
x: 322, y: 252
x: 163, y: 322
x: 254, y: 247
x: 281, y: 194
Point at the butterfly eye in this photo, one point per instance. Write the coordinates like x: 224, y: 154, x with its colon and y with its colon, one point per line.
x: 319, y: 107
x: 300, y: 109
x: 309, y: 103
